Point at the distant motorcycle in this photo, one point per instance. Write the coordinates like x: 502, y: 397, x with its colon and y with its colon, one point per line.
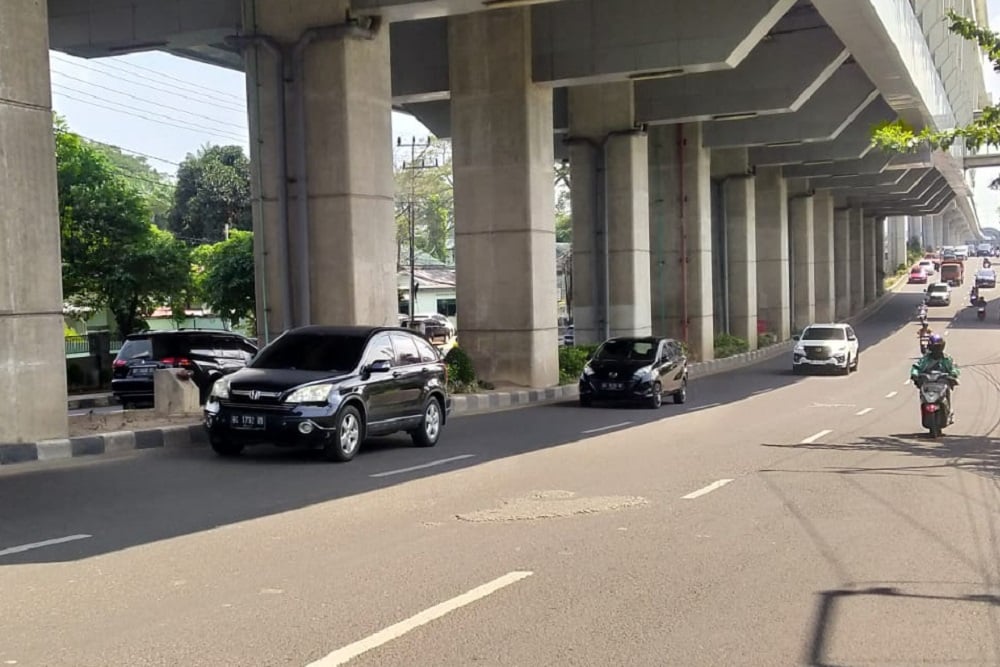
x: 935, y: 394
x: 981, y: 313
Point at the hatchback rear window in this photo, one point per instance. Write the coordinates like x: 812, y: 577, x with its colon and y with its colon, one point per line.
x: 136, y: 348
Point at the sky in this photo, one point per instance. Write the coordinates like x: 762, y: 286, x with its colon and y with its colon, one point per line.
x: 164, y: 108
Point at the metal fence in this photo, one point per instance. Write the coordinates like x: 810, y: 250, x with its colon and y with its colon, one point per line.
x: 87, y: 346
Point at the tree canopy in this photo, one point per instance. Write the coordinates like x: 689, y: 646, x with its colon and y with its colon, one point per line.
x: 113, y: 256
x: 424, y: 181
x: 224, y: 276
x: 213, y: 193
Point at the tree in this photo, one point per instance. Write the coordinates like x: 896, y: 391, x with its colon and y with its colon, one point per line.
x: 113, y: 257
x: 424, y: 181
x: 156, y: 187
x: 984, y: 130
x: 564, y: 209
x: 225, y: 277
x: 212, y: 194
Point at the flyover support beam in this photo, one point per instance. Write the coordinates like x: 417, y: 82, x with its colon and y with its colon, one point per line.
x: 857, y: 226
x: 824, y: 256
x: 335, y: 225
x: 773, y: 276
x: 802, y: 233
x: 609, y: 167
x: 842, y: 263
x: 505, y: 221
x: 681, y: 224
x: 731, y: 168
x: 33, y: 361
x: 871, y: 260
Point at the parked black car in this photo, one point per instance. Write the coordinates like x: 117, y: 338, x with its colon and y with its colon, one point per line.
x: 636, y: 369
x: 207, y: 354
x: 332, y: 387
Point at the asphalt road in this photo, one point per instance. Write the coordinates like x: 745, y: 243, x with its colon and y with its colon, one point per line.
x: 772, y: 520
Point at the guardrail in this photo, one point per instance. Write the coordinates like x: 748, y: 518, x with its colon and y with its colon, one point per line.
x: 88, y: 346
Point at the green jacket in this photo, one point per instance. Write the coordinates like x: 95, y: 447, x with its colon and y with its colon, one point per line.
x: 927, y: 362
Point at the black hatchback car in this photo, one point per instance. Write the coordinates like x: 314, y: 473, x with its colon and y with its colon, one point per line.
x: 330, y: 388
x: 636, y: 369
x: 207, y: 354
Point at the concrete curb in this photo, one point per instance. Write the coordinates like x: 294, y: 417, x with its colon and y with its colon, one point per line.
x: 184, y: 435
x: 90, y: 402
x: 498, y: 400
x: 706, y: 368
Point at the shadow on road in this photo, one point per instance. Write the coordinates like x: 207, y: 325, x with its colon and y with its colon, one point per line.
x: 157, y: 496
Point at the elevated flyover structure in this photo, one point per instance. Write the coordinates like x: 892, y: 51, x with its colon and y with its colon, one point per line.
x: 721, y: 170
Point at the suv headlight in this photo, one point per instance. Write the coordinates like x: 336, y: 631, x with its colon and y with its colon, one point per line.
x: 315, y: 393
x: 221, y: 388
x: 587, y: 371
x: 799, y: 349
x: 642, y: 375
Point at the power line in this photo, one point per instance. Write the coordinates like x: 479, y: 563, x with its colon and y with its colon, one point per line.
x: 189, y: 127
x: 174, y: 78
x: 92, y: 67
x: 127, y: 150
x: 144, y: 101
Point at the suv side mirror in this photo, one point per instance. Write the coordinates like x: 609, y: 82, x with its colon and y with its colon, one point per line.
x: 380, y: 366
x: 796, y: 337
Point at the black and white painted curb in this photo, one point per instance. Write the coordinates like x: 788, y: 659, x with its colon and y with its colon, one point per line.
x: 103, y: 443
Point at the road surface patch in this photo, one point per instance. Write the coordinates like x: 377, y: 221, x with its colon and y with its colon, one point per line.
x: 551, y: 505
x: 706, y: 489
x: 422, y: 466
x: 606, y: 428
x: 351, y: 651
x: 44, y: 543
x: 815, y: 436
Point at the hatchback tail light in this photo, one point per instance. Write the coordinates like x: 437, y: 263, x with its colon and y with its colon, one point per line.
x: 176, y: 362
x: 119, y: 363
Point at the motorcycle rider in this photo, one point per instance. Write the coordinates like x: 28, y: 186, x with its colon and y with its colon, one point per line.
x: 936, y: 359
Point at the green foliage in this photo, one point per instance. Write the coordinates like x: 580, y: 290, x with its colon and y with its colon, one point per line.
x: 424, y: 182
x: 153, y: 185
x: 572, y: 359
x: 728, y: 345
x: 224, y: 277
x: 766, y: 339
x: 461, y: 372
x: 898, y: 136
x: 213, y: 191
x: 112, y: 255
x: 564, y: 210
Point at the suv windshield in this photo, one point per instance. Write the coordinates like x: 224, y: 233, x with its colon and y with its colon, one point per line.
x: 824, y: 333
x: 940, y: 287
x: 312, y: 352
x: 627, y: 350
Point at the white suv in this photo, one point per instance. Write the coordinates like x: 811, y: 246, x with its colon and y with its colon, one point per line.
x: 826, y: 346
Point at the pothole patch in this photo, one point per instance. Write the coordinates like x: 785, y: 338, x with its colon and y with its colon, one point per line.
x: 552, y: 505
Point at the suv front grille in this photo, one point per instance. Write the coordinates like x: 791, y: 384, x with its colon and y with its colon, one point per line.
x: 817, y: 353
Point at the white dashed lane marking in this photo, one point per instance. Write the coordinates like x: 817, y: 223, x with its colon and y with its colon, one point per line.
x: 706, y: 489
x: 815, y: 436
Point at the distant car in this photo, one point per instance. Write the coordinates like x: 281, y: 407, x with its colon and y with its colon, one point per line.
x: 986, y: 278
x: 332, y: 387
x: 918, y: 274
x: 636, y: 369
x: 939, y: 294
x: 928, y: 265
x: 826, y: 347
x: 207, y: 354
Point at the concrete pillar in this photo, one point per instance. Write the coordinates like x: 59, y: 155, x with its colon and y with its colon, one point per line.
x: 504, y: 216
x: 897, y: 243
x: 595, y: 113
x: 842, y: 263
x: 880, y: 241
x: 856, y: 223
x: 823, y: 222
x: 773, y: 276
x: 681, y: 236
x: 732, y: 167
x: 939, y: 230
x: 801, y: 232
x: 349, y: 238
x: 870, y: 258
x: 927, y: 232
x: 32, y: 352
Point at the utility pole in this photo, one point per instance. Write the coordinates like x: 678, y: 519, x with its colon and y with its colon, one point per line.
x: 414, y: 165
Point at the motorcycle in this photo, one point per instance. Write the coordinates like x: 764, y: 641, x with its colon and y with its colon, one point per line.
x: 935, y: 395
x: 924, y: 342
x: 981, y: 313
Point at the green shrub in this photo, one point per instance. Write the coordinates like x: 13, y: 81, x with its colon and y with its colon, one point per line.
x: 461, y: 372
x: 727, y: 345
x: 572, y: 359
x: 766, y: 339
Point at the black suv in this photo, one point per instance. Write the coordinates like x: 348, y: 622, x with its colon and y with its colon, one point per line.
x: 331, y: 387
x: 207, y: 354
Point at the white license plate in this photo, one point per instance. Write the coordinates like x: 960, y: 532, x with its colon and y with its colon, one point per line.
x: 255, y: 422
x: 613, y: 386
x: 143, y: 371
